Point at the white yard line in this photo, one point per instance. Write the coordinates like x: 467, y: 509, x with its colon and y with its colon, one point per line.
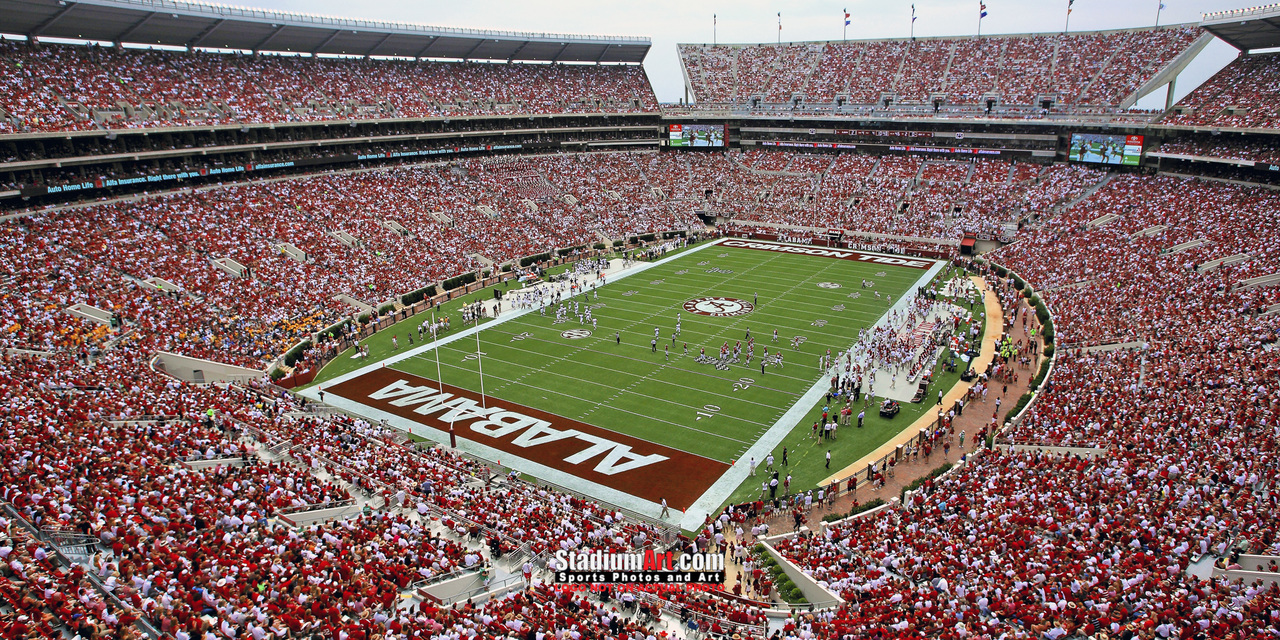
x: 695, y: 371
x: 737, y: 474
x: 312, y: 392
x: 517, y: 381
x: 756, y: 313
x: 622, y: 373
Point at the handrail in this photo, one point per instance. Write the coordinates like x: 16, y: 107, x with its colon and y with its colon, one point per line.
x: 500, y: 588
x: 730, y: 626
x: 200, y: 457
x: 315, y: 506
x: 259, y: 434
x: 64, y: 539
x: 453, y: 515
x: 448, y: 575
x: 349, y: 469
x: 282, y: 447
x: 142, y: 624
x: 143, y: 418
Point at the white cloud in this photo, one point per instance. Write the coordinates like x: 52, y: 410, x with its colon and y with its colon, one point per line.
x: 670, y: 21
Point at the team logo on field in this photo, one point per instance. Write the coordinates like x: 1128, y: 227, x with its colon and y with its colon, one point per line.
x: 829, y: 285
x: 719, y: 307
x: 576, y: 334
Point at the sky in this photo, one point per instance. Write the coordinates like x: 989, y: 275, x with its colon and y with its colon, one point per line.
x: 669, y: 22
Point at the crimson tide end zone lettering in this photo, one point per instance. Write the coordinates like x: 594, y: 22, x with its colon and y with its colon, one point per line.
x: 644, y: 469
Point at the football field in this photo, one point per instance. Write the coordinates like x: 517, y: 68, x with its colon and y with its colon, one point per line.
x: 602, y: 409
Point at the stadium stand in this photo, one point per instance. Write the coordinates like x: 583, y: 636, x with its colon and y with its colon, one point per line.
x: 1099, y: 69
x: 907, y: 195
x: 1022, y: 507
x: 889, y: 562
x: 1221, y: 149
x: 191, y: 504
x: 53, y: 87
x: 1238, y: 96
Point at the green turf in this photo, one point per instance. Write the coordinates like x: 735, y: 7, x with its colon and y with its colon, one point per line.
x: 680, y: 403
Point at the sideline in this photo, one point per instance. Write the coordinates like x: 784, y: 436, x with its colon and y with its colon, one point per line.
x: 737, y: 474
x: 990, y: 335
x: 310, y: 392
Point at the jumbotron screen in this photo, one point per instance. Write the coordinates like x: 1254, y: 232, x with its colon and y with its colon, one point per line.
x: 696, y: 135
x: 1105, y: 149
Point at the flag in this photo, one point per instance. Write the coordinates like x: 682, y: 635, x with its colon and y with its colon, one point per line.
x: 779, y: 21
x: 913, y: 13
x: 1069, y: 3
x: 846, y: 17
x: 982, y: 10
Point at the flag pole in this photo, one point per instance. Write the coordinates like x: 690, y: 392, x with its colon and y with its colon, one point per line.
x: 779, y: 27
x: 713, y: 29
x: 1067, y: 25
x: 845, y: 34
x: 480, y: 363
x: 1159, y: 8
x: 436, y: 348
x: 913, y: 21
x: 980, y: 8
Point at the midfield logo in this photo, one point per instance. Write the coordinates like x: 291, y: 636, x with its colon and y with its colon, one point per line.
x: 719, y: 307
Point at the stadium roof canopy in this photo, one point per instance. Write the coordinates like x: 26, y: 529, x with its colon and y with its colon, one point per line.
x: 1246, y: 29
x: 194, y: 24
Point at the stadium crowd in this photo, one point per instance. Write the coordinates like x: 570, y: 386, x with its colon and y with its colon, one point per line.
x: 1238, y: 96
x: 1179, y: 402
x: 912, y: 196
x: 1227, y: 149
x: 1060, y: 545
x: 151, y: 261
x: 54, y: 87
x: 1097, y: 69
